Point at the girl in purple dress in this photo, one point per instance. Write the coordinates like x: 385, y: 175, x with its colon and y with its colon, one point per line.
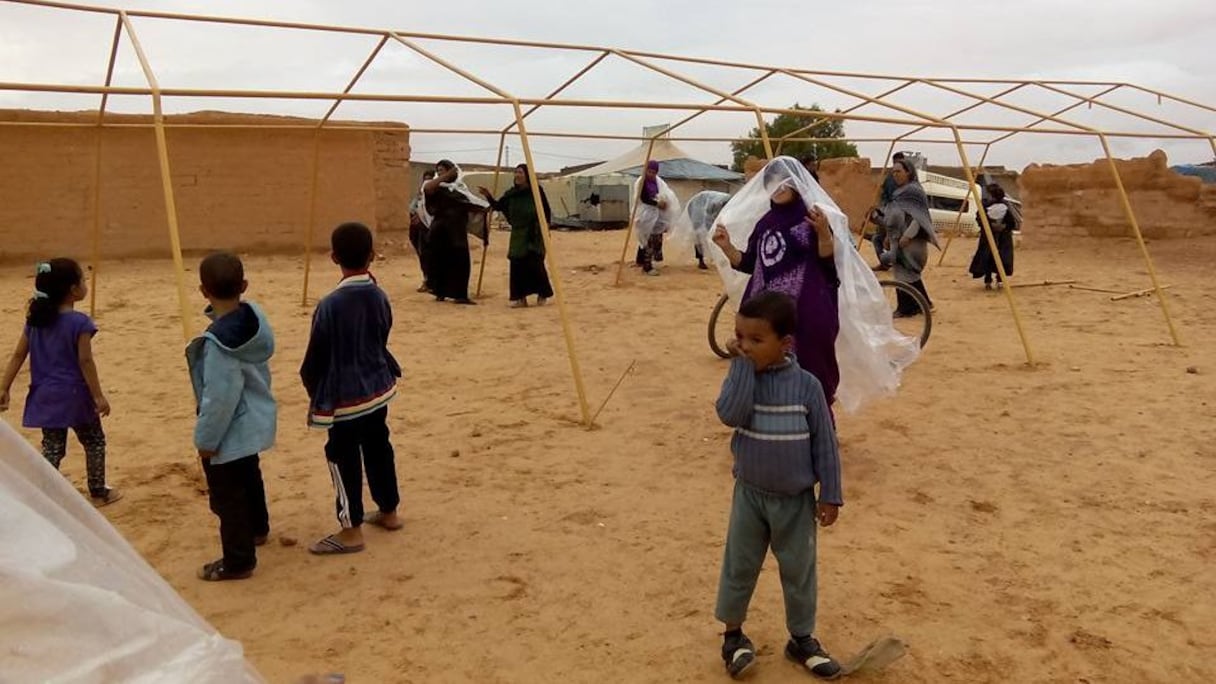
x: 791, y: 251
x: 64, y: 389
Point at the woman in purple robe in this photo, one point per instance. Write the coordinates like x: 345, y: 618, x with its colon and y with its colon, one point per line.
x: 791, y: 251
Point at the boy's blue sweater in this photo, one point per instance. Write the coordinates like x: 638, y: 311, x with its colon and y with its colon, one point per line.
x: 348, y: 370
x: 784, y: 442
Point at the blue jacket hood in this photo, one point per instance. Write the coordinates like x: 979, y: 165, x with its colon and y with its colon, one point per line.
x: 243, y: 333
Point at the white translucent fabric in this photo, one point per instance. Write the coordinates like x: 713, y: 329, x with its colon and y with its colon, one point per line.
x: 461, y: 187
x: 650, y: 220
x: 420, y: 207
x: 78, y: 604
x: 997, y: 212
x: 871, y: 353
x: 696, y: 222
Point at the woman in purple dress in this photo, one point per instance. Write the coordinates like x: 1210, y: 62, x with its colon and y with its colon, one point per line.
x: 791, y: 251
x: 64, y: 389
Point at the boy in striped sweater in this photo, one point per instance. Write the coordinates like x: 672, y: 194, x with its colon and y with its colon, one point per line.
x: 784, y: 444
x: 350, y: 377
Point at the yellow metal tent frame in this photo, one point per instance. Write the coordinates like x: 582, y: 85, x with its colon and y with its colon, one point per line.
x: 650, y: 61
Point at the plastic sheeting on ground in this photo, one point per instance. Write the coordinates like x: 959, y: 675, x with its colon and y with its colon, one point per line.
x: 78, y: 604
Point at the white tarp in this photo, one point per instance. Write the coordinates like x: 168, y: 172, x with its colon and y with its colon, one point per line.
x: 78, y: 604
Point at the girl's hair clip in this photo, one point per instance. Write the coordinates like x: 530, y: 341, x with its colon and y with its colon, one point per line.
x: 39, y: 294
x: 43, y: 267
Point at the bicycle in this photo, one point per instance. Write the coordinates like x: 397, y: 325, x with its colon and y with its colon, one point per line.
x: 918, y: 326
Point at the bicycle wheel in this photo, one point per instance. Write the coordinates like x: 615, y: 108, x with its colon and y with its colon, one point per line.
x: 918, y: 325
x: 721, y: 328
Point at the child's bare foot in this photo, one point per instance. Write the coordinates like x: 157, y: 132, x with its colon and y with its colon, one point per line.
x: 389, y: 521
x: 346, y: 541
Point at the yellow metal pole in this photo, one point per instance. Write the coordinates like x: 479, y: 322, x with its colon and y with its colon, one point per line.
x: 1121, y: 110
x: 886, y: 93
x: 166, y: 178
x: 554, y: 271
x: 633, y: 213
x: 1065, y: 110
x: 348, y: 126
x: 558, y: 91
x: 1135, y: 224
x: 481, y: 271
x: 96, y: 236
x: 958, y: 220
x: 310, y: 234
x: 768, y: 148
x: 355, y: 79
x: 996, y: 253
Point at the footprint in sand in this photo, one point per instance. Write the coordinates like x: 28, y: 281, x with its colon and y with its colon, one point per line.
x: 518, y: 587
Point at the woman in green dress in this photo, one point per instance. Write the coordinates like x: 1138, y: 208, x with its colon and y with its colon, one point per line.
x: 526, y: 252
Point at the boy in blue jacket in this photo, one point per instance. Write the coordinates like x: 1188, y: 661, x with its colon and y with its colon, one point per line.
x: 351, y: 377
x: 237, y: 413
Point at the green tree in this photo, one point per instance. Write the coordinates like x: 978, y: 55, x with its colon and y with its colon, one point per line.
x: 785, y: 124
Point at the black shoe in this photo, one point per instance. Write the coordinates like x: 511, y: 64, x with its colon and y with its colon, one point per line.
x: 701, y: 265
x: 217, y: 572
x: 738, y: 654
x: 807, y: 652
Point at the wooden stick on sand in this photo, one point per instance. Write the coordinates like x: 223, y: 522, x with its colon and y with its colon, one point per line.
x: 1138, y: 293
x: 1093, y: 289
x: 1045, y: 283
x: 613, y: 390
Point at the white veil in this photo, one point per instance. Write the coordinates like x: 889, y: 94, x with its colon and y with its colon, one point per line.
x: 459, y: 186
x: 871, y: 353
x: 650, y: 220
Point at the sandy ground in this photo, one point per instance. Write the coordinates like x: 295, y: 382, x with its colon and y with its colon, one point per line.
x: 1054, y: 524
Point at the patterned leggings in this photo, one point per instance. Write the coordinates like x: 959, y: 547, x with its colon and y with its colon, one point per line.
x: 93, y: 439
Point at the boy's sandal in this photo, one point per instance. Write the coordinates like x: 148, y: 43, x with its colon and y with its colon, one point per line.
x: 378, y: 519
x: 332, y: 546
x: 216, y: 572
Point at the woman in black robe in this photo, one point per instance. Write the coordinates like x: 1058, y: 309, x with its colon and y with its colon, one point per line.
x: 448, y: 262
x: 1003, y: 222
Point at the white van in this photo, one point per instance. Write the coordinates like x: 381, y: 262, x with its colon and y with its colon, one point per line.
x: 946, y: 197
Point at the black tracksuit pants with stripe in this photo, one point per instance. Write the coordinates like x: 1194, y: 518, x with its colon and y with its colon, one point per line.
x: 356, y: 445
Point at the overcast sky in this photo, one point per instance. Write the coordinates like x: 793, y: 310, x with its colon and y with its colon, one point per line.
x: 1165, y: 45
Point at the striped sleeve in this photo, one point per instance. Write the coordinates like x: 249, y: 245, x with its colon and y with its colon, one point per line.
x: 825, y: 455
x: 738, y: 397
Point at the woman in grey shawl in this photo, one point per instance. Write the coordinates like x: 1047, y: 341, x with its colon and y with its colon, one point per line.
x: 909, y: 230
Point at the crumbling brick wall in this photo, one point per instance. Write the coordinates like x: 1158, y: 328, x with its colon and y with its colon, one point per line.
x: 1081, y: 200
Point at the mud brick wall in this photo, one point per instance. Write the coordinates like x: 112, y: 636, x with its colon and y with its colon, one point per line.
x: 237, y: 189
x: 1081, y: 200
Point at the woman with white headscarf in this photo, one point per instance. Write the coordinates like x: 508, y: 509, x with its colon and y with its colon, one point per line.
x: 1003, y: 222
x: 909, y: 230
x: 797, y: 242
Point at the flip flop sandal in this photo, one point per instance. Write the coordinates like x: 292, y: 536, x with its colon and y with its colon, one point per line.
x: 332, y: 546
x: 377, y: 519
x: 215, y: 572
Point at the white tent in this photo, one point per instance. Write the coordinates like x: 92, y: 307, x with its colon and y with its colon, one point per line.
x: 611, y: 182
x: 78, y: 604
x: 664, y: 150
